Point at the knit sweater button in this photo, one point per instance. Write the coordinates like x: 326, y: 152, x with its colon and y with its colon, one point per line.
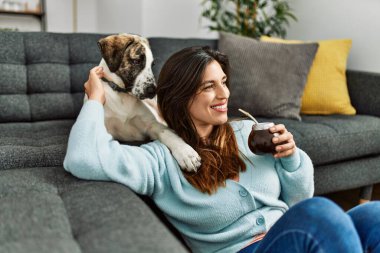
x: 243, y: 193
x: 260, y: 221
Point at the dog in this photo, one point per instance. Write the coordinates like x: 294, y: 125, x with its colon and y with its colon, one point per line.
x: 130, y: 109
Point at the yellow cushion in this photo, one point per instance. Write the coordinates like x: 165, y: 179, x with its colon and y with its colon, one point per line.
x: 326, y: 89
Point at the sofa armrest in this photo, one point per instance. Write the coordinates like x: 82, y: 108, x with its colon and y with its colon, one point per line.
x: 364, y: 90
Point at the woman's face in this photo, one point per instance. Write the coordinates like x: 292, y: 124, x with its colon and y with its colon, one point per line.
x: 209, y: 106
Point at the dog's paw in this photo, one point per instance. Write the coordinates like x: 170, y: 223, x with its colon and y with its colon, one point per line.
x: 187, y: 158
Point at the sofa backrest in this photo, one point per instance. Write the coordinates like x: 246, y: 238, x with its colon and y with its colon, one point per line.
x: 42, y: 74
x: 163, y: 48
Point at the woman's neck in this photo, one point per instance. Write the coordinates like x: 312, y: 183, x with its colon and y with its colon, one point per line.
x: 204, y: 131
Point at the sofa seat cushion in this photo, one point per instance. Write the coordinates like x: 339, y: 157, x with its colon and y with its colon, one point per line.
x: 48, y: 210
x: 335, y: 138
x: 25, y: 144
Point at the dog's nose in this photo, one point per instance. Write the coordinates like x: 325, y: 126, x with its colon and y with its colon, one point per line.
x: 151, y: 91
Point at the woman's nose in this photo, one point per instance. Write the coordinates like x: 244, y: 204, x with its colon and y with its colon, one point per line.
x: 223, y: 91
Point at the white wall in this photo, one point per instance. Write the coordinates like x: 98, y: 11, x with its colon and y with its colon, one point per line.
x: 153, y: 18
x: 327, y: 19
x: 174, y: 18
x: 115, y: 16
x: 59, y: 15
x: 87, y: 11
x: 165, y: 18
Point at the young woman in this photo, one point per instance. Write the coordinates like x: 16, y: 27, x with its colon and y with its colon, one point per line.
x: 236, y: 201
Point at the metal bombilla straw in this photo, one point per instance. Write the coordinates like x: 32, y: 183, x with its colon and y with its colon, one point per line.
x: 249, y: 115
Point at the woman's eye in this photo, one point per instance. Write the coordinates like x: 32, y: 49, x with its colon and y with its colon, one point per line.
x: 208, y: 87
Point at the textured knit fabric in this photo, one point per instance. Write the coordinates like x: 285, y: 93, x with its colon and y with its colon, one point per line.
x: 326, y: 88
x: 222, y: 222
x: 47, y: 210
x: 267, y: 79
x: 33, y: 144
x: 364, y: 91
x: 42, y: 74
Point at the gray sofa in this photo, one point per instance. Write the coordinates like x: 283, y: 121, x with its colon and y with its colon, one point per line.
x: 45, y: 209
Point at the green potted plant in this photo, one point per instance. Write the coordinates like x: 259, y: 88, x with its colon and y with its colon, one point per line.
x: 251, y: 18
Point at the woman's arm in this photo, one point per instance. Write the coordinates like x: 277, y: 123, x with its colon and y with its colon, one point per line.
x: 296, y: 173
x: 92, y: 154
x: 293, y: 166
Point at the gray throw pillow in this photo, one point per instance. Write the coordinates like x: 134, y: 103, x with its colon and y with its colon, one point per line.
x: 267, y: 79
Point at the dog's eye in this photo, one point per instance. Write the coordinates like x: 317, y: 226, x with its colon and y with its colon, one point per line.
x: 136, y: 61
x: 153, y: 63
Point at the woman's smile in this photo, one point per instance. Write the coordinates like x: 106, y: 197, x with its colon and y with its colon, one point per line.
x: 222, y: 107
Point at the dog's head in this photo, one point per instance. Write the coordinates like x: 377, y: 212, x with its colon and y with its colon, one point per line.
x: 129, y: 57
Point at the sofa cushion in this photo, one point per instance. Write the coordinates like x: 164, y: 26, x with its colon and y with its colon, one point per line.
x: 33, y: 144
x: 364, y: 90
x: 48, y: 210
x: 326, y: 88
x: 346, y: 175
x: 267, y: 79
x: 43, y: 74
x: 335, y: 138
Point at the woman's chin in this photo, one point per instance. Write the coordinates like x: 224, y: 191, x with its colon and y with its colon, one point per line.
x: 221, y: 120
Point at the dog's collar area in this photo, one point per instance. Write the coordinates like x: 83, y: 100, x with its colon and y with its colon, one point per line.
x: 115, y: 87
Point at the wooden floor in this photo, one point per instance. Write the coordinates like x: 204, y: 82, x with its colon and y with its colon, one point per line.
x: 350, y: 198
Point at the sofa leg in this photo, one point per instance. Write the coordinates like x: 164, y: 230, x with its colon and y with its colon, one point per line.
x: 365, y: 194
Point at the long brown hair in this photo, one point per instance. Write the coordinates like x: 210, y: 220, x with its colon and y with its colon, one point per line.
x: 178, y: 83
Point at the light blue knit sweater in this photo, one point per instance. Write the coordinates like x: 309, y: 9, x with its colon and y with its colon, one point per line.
x: 223, y: 222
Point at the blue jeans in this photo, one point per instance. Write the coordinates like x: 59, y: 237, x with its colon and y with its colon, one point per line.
x: 318, y: 225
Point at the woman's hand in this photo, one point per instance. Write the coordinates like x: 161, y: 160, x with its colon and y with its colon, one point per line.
x: 94, y: 87
x: 287, y: 145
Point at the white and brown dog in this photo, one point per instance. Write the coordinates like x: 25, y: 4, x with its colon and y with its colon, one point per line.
x: 127, y: 64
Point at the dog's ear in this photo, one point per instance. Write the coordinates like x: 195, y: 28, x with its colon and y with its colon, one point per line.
x: 112, y: 49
